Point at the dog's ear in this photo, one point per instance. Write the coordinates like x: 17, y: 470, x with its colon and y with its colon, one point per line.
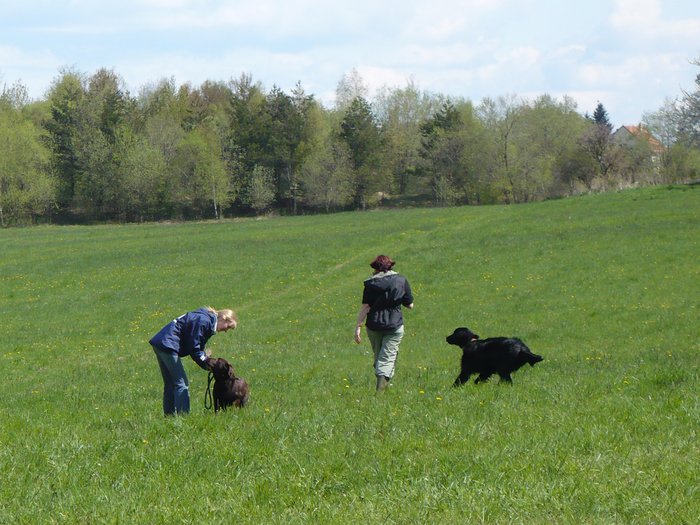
x: 468, y: 334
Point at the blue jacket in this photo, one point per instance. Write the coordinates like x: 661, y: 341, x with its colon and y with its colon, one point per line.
x: 187, y: 335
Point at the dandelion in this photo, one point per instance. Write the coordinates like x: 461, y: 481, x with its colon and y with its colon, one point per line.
x: 438, y: 398
x: 421, y: 391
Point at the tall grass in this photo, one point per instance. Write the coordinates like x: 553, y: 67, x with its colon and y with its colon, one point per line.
x: 604, y: 430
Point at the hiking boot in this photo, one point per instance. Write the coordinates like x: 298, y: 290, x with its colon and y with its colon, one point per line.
x: 382, y: 383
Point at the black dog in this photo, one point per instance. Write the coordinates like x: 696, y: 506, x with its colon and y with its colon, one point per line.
x: 229, y: 389
x: 495, y: 355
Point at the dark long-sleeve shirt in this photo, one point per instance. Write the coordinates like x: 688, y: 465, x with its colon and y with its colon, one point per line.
x: 385, y: 293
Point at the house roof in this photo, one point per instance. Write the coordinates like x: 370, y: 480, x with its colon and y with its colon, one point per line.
x: 643, y: 133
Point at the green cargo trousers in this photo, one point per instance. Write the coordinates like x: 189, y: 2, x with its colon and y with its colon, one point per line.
x: 385, y: 345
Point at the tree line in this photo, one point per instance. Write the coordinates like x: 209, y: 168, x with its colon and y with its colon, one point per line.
x: 91, y: 151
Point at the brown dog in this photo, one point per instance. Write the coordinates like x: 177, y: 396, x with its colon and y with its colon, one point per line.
x: 229, y: 389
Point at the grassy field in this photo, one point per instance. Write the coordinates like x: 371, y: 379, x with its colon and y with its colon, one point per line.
x: 604, y: 430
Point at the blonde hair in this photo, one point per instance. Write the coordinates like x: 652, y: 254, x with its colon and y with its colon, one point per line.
x: 225, y: 314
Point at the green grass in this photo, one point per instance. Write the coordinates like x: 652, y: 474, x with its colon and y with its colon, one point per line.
x: 604, y: 430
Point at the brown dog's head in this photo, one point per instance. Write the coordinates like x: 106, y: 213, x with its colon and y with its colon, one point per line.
x: 221, y: 369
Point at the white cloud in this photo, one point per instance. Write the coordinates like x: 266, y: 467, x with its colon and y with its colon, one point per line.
x: 524, y: 57
x: 588, y: 99
x: 91, y: 30
x: 629, y: 53
x: 165, y: 4
x: 635, y: 15
x: 273, y: 18
x: 35, y: 70
x: 440, y: 29
x: 444, y: 20
x: 624, y: 75
x: 247, y: 15
x: 642, y: 20
x: 570, y: 52
x: 378, y: 77
x: 455, y: 54
x: 13, y: 56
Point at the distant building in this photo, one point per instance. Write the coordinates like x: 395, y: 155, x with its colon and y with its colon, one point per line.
x: 631, y: 135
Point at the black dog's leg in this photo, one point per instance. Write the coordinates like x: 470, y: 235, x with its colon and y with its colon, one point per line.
x: 461, y: 379
x: 505, y: 378
x: 481, y: 378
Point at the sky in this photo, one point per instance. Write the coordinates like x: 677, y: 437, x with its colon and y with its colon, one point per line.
x: 630, y: 55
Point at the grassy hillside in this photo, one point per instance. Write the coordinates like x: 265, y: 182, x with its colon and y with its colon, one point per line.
x: 604, y: 430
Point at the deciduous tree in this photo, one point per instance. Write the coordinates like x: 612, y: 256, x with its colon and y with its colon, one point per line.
x: 401, y: 113
x: 689, y: 114
x: 27, y: 188
x: 259, y: 189
x: 65, y: 98
x: 360, y: 133
x: 327, y: 176
x: 500, y: 117
x: 598, y: 143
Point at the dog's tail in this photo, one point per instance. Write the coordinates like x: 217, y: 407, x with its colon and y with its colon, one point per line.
x: 533, y: 359
x: 527, y: 355
x: 240, y: 403
x: 242, y: 391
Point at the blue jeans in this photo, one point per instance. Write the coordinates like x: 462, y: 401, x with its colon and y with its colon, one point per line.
x: 385, y: 346
x: 176, y: 388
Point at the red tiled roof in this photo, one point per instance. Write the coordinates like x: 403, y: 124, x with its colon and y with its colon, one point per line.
x: 642, y: 133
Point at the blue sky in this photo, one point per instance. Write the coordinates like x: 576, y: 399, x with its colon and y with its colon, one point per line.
x: 630, y: 55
